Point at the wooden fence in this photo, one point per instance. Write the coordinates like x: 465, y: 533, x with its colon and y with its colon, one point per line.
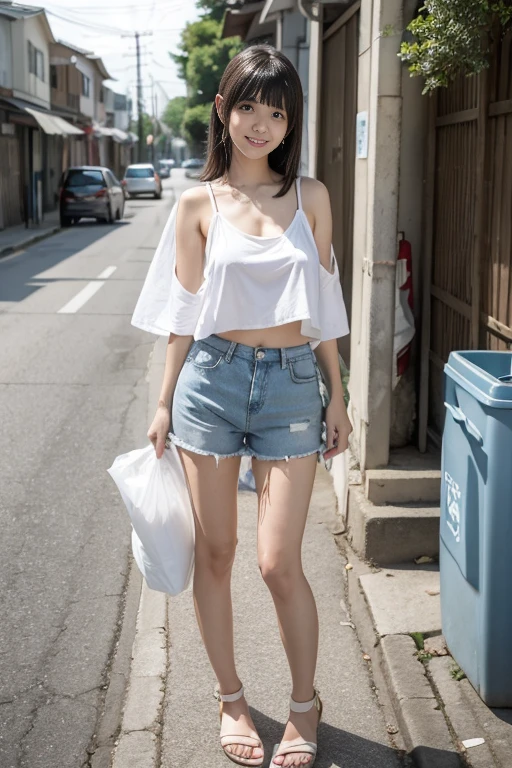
x: 468, y: 233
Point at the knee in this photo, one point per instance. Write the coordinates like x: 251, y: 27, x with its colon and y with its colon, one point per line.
x: 279, y: 576
x: 216, y: 559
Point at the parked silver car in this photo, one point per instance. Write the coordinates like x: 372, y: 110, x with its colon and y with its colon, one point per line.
x: 142, y: 179
x: 90, y: 191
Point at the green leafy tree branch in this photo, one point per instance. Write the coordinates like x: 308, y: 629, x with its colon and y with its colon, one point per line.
x: 454, y: 37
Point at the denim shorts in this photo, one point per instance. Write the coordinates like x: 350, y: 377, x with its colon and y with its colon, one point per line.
x: 236, y: 400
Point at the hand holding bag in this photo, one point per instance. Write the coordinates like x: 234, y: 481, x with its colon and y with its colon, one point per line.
x: 156, y: 496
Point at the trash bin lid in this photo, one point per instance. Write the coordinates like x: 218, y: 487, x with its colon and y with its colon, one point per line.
x: 485, y: 374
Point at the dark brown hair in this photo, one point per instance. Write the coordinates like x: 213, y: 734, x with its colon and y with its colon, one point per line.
x: 259, y: 73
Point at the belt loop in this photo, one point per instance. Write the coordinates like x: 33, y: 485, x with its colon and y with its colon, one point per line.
x: 283, y: 358
x: 230, y: 352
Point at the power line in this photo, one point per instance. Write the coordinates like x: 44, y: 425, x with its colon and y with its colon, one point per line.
x: 116, y: 9
x: 101, y: 27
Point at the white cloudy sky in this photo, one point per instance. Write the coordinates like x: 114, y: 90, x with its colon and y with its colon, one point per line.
x: 98, y: 26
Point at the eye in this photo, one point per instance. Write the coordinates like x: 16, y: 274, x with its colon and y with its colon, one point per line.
x: 243, y: 107
x: 279, y: 114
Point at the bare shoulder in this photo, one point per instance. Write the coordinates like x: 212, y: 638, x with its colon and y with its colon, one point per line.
x: 315, y: 195
x: 193, y: 199
x: 192, y: 206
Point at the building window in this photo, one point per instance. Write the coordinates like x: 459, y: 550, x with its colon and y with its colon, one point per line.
x: 86, y: 85
x: 54, y: 80
x: 35, y: 61
x: 31, y: 58
x: 40, y: 64
x: 102, y: 96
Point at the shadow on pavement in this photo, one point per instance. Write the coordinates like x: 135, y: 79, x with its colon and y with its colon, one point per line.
x: 336, y: 746
x: 17, y: 274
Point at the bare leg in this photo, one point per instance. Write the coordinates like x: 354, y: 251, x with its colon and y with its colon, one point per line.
x: 214, y: 495
x: 284, y: 492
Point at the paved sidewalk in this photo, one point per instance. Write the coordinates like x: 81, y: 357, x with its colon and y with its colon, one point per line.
x: 353, y: 731
x: 17, y: 238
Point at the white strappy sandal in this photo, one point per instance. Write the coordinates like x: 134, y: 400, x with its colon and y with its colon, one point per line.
x: 298, y: 745
x: 234, y: 740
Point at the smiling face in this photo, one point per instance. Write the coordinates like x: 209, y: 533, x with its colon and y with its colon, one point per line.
x: 257, y: 114
x: 257, y: 129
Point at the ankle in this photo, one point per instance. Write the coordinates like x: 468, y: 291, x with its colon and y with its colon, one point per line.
x: 303, y: 695
x: 229, y: 687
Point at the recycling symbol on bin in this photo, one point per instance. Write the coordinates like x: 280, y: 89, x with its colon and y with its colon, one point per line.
x: 453, y: 494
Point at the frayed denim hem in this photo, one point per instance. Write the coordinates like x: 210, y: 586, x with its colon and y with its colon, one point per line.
x: 258, y: 457
x: 182, y: 444
x: 242, y: 452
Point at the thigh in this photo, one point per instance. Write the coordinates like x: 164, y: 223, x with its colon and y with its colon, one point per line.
x: 284, y: 492
x: 214, y: 495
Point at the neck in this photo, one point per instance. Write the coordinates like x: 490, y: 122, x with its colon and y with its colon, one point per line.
x: 246, y: 173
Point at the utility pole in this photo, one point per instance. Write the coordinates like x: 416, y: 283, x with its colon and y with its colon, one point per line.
x: 140, y: 99
x: 140, y: 103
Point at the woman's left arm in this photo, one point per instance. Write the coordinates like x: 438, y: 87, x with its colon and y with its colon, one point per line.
x: 317, y: 204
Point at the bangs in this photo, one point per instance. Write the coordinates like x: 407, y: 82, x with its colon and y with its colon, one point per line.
x: 269, y: 86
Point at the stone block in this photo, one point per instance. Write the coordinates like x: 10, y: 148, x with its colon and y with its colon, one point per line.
x: 400, y: 602
x: 391, y: 534
x: 403, y: 486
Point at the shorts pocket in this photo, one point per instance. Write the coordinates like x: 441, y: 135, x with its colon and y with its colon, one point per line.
x: 302, y: 370
x: 204, y: 356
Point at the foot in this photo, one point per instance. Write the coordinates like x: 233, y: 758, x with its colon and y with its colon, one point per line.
x: 236, y: 721
x: 300, y: 726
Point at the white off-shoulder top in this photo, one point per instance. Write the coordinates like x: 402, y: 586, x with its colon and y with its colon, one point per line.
x: 249, y: 282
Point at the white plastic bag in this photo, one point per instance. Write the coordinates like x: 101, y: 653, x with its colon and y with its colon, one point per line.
x: 156, y: 496
x: 246, y: 481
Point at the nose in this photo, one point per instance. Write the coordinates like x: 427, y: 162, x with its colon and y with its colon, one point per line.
x: 260, y: 126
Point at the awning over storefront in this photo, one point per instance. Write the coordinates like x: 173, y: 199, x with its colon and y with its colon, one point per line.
x: 53, y: 125
x: 114, y: 133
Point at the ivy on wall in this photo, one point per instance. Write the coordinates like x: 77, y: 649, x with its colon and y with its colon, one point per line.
x: 453, y: 37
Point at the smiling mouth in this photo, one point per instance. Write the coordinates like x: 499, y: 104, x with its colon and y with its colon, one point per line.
x: 260, y: 142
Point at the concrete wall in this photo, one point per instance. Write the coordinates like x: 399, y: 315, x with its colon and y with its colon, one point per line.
x: 26, y: 85
x: 375, y: 231
x: 295, y: 45
x: 5, y: 53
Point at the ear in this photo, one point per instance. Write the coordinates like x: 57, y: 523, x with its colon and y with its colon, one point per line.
x: 219, y: 104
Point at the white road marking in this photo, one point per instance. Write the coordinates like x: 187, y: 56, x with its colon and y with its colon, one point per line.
x: 81, y: 298
x: 106, y: 273
x: 86, y: 293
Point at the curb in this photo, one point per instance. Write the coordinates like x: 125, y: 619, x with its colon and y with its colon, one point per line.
x: 402, y: 682
x: 138, y: 744
x: 8, y: 250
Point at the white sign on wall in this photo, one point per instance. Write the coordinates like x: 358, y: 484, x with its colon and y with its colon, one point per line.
x: 362, y: 135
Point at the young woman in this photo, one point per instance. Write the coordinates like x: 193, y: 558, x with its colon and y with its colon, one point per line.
x: 254, y: 289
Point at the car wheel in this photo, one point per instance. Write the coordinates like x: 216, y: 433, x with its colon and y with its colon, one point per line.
x: 157, y: 195
x: 110, y: 216
x: 65, y: 221
x: 119, y: 214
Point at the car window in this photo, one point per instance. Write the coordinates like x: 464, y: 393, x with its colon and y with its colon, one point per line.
x: 139, y: 173
x: 115, y: 180
x: 85, y: 178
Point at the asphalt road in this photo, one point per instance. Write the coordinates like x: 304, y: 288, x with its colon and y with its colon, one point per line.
x: 73, y: 395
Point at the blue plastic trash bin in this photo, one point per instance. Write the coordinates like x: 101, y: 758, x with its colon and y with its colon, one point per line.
x: 476, y: 520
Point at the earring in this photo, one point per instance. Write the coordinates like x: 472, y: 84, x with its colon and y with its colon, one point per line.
x: 282, y: 142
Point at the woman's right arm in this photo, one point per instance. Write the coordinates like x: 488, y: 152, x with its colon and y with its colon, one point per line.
x: 190, y: 245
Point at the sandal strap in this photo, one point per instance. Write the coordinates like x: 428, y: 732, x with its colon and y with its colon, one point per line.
x: 303, y: 706
x: 238, y: 738
x: 229, y: 697
x: 289, y: 747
